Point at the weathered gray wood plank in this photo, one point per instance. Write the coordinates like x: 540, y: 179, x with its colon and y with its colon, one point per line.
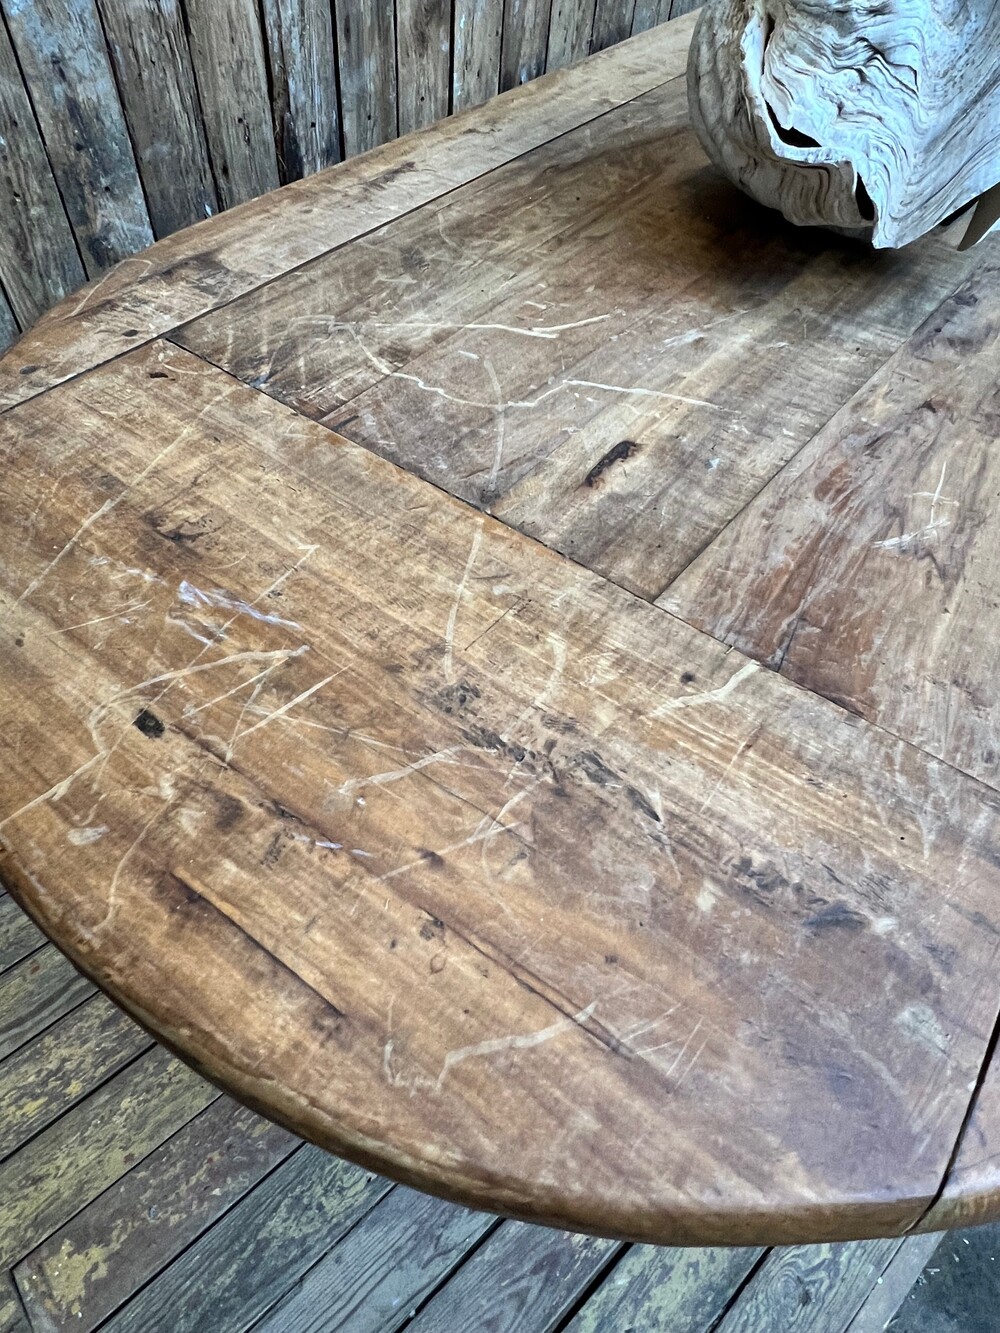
x: 36, y: 992
x: 375, y: 1278
x: 91, y: 1266
x: 570, y: 27
x: 235, y: 1272
x: 665, y: 1290
x: 12, y: 1316
x: 61, y: 50
x: 612, y: 22
x: 19, y: 935
x: 809, y: 1288
x: 59, y: 1068
x: 893, y: 1285
x: 302, y: 59
x: 367, y: 44
x: 152, y: 62
x: 423, y: 40
x: 228, y: 53
x: 39, y: 263
x: 525, y: 37
x: 524, y: 1279
x: 648, y: 13
x: 478, y: 32
x: 74, y: 1160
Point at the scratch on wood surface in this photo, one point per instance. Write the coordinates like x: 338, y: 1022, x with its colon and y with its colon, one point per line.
x: 707, y: 696
x: 515, y: 1042
x: 449, y: 633
x: 488, y: 828
x: 547, y: 331
x: 285, y: 708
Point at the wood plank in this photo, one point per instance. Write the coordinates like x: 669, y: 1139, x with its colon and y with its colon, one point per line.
x: 970, y: 1192
x: 809, y: 1288
x: 228, y: 55
x: 366, y: 42
x: 302, y: 60
x: 542, y: 834
x: 865, y: 570
x: 525, y: 38
x: 648, y: 13
x: 95, y: 1262
x: 152, y: 62
x: 12, y: 1315
x: 19, y: 936
x: 62, y: 1066
x: 73, y: 1161
x: 664, y: 1290
x: 38, y: 256
x: 189, y: 274
x: 475, y: 61
x: 423, y: 45
x: 374, y: 1280
x: 60, y: 47
x: 894, y: 1284
x: 36, y: 992
x: 571, y: 26
x: 612, y: 22
x: 234, y: 1273
x: 678, y: 8
x: 645, y: 404
x: 521, y: 1280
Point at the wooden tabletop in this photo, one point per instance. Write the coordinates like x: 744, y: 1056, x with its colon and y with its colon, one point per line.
x: 498, y: 658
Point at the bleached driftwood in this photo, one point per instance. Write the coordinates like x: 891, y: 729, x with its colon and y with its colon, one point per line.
x: 880, y: 117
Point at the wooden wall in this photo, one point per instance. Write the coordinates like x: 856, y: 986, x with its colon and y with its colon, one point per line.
x: 123, y: 120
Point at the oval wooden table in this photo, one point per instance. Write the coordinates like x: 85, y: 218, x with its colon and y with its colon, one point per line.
x: 498, y: 669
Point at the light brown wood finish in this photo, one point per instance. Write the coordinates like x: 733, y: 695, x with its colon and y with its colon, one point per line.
x: 225, y: 257
x: 445, y: 851
x: 603, y: 857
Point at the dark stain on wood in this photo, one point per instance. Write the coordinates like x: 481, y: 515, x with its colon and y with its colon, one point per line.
x: 618, y: 453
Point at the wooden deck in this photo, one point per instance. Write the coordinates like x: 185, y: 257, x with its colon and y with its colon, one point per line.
x: 136, y: 1197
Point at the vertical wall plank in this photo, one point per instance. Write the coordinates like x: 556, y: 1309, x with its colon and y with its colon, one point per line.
x: 612, y: 22
x: 423, y: 40
x: 227, y: 47
x: 149, y: 49
x: 478, y: 29
x: 303, y: 85
x: 648, y: 13
x: 61, y: 48
x: 367, y: 42
x: 570, y: 28
x: 39, y: 263
x: 8, y: 324
x: 679, y: 7
x: 525, y: 39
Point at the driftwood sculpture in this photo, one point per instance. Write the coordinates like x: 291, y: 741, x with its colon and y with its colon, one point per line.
x: 877, y: 117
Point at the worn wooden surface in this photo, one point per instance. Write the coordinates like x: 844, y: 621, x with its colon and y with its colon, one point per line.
x: 453, y: 854
x: 208, y: 92
x: 230, y: 1223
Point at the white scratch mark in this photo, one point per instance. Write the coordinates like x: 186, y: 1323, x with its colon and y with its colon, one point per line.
x: 216, y: 598
x: 83, y: 837
x: 286, y: 707
x: 449, y: 633
x: 708, y: 696
x: 516, y: 1042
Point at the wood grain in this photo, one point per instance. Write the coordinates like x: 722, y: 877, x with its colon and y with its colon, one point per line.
x: 385, y: 1269
x: 75, y: 1159
x: 662, y: 1290
x: 476, y: 58
x: 34, y: 993
x: 648, y: 13
x: 618, y: 899
x: 553, y: 326
x: 518, y: 1281
x: 92, y: 1265
x: 570, y: 28
x: 423, y: 43
x: 228, y: 55
x: 187, y: 275
x: 43, y: 1080
x: 39, y: 262
x: 262, y: 1246
x: 60, y: 48
x: 303, y: 77
x: 152, y: 62
x: 525, y: 28
x: 19, y: 936
x: 366, y: 38
x: 612, y: 22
